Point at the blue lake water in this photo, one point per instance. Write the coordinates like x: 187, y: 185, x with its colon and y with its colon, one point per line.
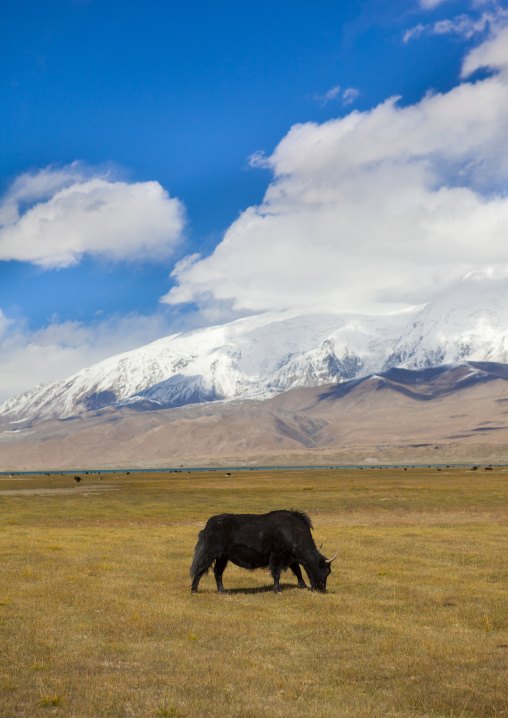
x: 191, y: 469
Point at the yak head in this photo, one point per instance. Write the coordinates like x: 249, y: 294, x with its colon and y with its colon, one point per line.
x: 321, y: 572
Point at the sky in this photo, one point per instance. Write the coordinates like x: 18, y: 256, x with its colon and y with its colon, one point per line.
x: 170, y: 165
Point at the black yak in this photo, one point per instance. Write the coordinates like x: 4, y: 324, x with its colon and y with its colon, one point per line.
x: 278, y: 540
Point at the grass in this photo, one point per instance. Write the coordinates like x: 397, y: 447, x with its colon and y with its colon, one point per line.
x: 97, y: 620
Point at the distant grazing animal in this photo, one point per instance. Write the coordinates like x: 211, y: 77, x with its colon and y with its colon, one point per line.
x: 77, y: 479
x: 278, y: 540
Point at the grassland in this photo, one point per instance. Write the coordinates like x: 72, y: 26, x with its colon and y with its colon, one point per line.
x: 97, y: 621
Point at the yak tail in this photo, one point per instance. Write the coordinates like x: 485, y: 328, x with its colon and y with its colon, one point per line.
x: 198, y: 553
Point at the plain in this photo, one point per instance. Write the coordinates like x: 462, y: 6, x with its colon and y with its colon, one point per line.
x: 97, y: 620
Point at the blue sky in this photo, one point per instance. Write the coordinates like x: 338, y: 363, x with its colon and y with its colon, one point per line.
x: 153, y: 152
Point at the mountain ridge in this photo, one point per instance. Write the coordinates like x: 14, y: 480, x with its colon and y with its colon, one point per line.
x: 456, y: 413
x: 258, y: 357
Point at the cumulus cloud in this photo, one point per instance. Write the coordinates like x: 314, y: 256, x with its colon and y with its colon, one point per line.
x: 60, y: 349
x: 378, y: 207
x: 53, y: 217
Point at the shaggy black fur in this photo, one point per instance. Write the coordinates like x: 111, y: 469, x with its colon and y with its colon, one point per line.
x: 278, y: 540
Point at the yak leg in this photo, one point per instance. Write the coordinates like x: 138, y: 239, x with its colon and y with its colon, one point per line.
x: 276, y: 579
x: 275, y: 570
x: 218, y: 570
x: 295, y: 568
x: 204, y: 564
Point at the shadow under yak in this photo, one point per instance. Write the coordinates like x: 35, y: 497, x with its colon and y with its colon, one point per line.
x: 261, y: 589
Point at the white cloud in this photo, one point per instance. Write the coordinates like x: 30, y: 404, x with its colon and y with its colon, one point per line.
x: 346, y: 96
x: 415, y: 32
x: 349, y: 95
x: 465, y: 25
x: 332, y: 94
x: 60, y: 349
x: 430, y: 4
x: 75, y: 210
x: 377, y: 207
x: 492, y: 54
x: 42, y: 184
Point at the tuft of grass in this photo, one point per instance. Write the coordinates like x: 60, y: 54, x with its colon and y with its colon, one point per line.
x: 48, y: 701
x: 39, y: 666
x: 167, y: 710
x: 7, y: 685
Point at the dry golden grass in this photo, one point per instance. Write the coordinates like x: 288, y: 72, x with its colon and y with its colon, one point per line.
x: 96, y: 617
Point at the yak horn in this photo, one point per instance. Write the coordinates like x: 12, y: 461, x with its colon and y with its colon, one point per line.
x: 329, y: 560
x: 319, y: 549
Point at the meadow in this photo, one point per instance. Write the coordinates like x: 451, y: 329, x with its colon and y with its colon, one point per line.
x: 97, y: 619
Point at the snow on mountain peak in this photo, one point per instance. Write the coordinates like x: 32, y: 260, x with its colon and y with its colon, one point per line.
x: 259, y: 356
x: 468, y: 322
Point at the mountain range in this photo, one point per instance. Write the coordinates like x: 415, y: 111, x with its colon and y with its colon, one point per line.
x: 258, y: 357
x: 446, y: 414
x: 250, y: 370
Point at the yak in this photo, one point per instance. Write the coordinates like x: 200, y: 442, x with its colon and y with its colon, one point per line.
x: 278, y: 540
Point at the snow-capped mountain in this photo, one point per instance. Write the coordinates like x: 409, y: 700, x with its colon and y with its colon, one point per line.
x: 255, y: 357
x: 468, y: 323
x: 258, y: 357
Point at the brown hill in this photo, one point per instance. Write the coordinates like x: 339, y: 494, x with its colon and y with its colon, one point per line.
x: 449, y: 414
